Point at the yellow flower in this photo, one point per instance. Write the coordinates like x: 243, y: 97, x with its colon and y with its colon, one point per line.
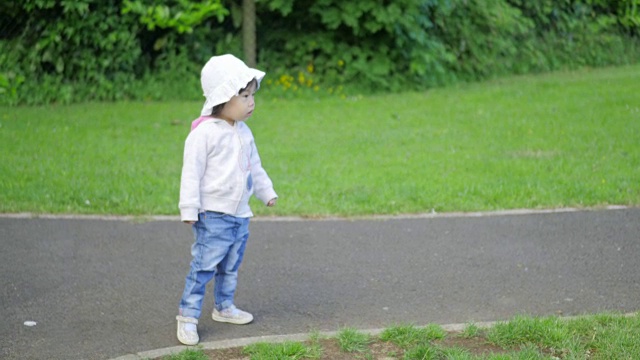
x: 310, y: 68
x: 340, y: 63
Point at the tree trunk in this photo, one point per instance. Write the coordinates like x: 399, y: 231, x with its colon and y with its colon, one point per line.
x: 249, y: 32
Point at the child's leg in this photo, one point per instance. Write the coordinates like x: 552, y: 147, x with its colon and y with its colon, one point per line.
x: 215, y: 235
x: 227, y: 270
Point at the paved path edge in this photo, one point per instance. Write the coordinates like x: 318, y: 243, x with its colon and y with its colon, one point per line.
x: 429, y: 215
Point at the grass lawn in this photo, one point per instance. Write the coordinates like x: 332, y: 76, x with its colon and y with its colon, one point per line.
x: 595, y: 337
x: 568, y: 139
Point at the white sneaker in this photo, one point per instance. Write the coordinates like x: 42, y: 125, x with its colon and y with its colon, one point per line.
x: 187, y: 330
x: 232, y: 315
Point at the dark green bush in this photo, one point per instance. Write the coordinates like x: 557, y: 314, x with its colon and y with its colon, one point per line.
x: 408, y: 44
x: 152, y: 49
x: 89, y: 43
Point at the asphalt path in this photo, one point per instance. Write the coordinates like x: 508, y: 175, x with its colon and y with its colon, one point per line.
x: 99, y: 289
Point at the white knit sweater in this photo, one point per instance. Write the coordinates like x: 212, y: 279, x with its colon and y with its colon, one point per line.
x: 218, y: 161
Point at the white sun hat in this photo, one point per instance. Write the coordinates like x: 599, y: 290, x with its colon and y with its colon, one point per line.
x: 223, y: 77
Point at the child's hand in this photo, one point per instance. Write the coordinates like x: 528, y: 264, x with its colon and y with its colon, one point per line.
x: 189, y: 222
x: 271, y: 202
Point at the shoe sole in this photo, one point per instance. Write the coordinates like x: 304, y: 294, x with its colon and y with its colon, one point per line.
x: 219, y: 318
x: 188, y: 343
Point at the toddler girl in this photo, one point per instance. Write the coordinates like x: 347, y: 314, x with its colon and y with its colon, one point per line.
x: 221, y: 170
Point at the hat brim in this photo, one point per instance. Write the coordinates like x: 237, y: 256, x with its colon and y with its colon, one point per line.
x: 230, y: 88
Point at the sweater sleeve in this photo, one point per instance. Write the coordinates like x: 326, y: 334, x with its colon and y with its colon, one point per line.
x: 263, y: 187
x: 193, y: 167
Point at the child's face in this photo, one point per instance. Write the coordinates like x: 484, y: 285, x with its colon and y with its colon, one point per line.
x: 241, y: 106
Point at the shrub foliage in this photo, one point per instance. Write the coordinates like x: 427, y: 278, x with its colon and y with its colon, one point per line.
x: 80, y: 50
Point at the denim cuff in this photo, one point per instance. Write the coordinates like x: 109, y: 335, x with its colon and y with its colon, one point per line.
x: 225, y: 305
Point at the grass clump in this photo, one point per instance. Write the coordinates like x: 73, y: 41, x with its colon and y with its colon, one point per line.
x: 287, y: 350
x: 471, y: 330
x: 546, y: 332
x: 351, y: 340
x: 422, y: 352
x: 406, y: 335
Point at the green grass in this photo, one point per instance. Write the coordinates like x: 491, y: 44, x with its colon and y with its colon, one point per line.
x: 568, y: 139
x: 351, y: 340
x: 470, y: 331
x: 286, y: 350
x: 605, y: 336
x: 407, y: 335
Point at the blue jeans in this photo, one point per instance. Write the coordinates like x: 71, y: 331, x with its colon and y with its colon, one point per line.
x: 220, y: 241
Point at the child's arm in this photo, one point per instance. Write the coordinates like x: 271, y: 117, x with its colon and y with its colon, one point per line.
x: 193, y: 167
x: 263, y: 187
